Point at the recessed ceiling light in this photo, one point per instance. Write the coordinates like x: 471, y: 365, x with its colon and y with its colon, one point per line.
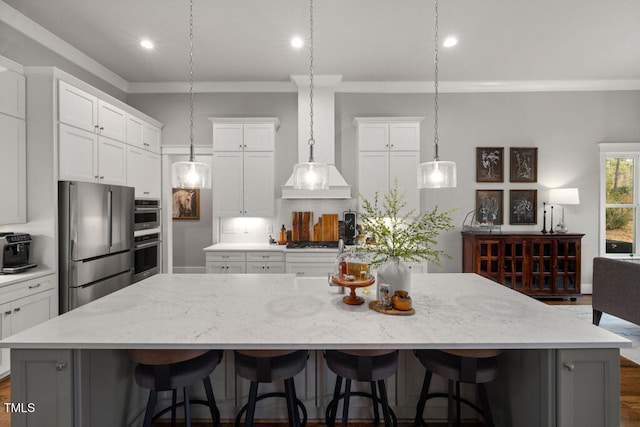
x: 450, y: 41
x: 297, y: 42
x: 147, y: 44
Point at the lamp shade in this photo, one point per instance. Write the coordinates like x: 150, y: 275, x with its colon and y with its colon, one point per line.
x: 311, y: 176
x: 564, y: 196
x: 190, y: 175
x: 437, y: 174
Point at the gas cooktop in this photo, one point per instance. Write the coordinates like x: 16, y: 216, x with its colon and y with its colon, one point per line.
x: 312, y: 245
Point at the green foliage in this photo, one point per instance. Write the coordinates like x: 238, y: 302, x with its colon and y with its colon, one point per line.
x: 617, y: 218
x: 408, y: 237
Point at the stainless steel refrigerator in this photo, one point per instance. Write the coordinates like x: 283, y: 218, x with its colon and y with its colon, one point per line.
x: 96, y: 241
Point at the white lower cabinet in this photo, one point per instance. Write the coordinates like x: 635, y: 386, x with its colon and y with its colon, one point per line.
x: 225, y: 262
x: 24, y: 305
x: 310, y: 264
x: 265, y: 262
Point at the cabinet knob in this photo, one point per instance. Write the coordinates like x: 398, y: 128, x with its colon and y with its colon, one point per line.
x: 391, y: 145
x: 35, y: 286
x: 6, y: 313
x: 240, y: 146
x: 570, y: 367
x: 60, y: 366
x: 15, y: 310
x: 263, y: 267
x: 96, y: 177
x: 101, y: 128
x: 102, y: 177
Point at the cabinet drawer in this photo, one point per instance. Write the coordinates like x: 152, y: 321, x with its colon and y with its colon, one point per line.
x: 225, y: 256
x: 312, y: 257
x: 265, y: 256
x: 26, y: 288
x: 257, y: 267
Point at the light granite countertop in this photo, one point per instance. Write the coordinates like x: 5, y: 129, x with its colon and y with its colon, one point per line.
x: 247, y: 247
x: 453, y: 310
x: 33, y: 273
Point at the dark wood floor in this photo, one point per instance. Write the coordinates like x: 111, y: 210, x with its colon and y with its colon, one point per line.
x: 629, y: 396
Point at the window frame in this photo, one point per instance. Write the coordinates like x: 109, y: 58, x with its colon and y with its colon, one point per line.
x: 611, y: 150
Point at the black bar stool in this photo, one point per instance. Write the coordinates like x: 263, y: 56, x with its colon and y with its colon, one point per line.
x: 265, y: 366
x: 458, y: 366
x: 372, y: 366
x: 162, y: 370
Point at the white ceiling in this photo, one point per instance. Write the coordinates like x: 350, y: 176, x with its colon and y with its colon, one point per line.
x: 364, y: 40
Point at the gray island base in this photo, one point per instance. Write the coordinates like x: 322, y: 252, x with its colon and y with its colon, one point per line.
x: 554, y: 370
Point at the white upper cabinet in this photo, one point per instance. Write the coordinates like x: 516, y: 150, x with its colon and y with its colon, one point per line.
x: 142, y: 134
x: 244, y: 134
x: 143, y: 173
x: 151, y: 137
x: 244, y: 167
x: 112, y: 121
x: 13, y: 205
x: 13, y: 145
x: 12, y: 93
x: 389, y: 152
x: 77, y: 107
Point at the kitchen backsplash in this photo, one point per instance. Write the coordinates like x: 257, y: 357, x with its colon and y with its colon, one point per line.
x: 257, y: 230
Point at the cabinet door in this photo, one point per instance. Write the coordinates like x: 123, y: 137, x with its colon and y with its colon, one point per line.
x: 152, y: 176
x: 567, y: 262
x: 5, y: 330
x: 259, y: 198
x: 228, y: 136
x: 136, y: 171
x: 151, y: 138
x: 403, y: 167
x: 373, y: 136
x: 12, y: 88
x: 373, y: 173
x: 404, y: 136
x: 317, y: 269
x: 32, y: 310
x: 45, y: 379
x: 13, y: 164
x: 259, y: 137
x: 135, y: 128
x: 112, y: 165
x: 228, y: 184
x: 542, y: 267
x: 76, y: 107
x: 588, y: 388
x: 77, y: 154
x: 112, y: 121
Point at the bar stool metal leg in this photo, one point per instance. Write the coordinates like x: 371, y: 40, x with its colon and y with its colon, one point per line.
x: 423, y: 400
x: 151, y: 405
x: 376, y: 412
x: 385, y: 404
x: 213, y: 408
x: 345, y: 405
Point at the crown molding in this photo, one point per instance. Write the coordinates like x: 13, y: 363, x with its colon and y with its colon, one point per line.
x: 395, y: 87
x: 31, y: 29
x: 184, y: 149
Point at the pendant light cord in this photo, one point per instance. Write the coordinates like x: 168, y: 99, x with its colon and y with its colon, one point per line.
x: 311, y: 140
x: 436, y: 138
x: 191, y: 156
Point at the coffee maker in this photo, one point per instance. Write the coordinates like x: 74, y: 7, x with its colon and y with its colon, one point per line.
x: 348, y: 227
x: 14, y: 252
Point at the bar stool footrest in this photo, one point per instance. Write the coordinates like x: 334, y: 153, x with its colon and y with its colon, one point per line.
x: 376, y: 401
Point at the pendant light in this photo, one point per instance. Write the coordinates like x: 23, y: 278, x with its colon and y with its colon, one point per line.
x: 311, y: 175
x: 436, y: 174
x: 191, y: 174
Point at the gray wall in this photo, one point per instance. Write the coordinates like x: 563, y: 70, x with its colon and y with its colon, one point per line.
x: 565, y: 126
x: 23, y: 50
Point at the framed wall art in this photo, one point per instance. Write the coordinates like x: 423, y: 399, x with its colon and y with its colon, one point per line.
x: 489, y: 206
x: 524, y: 164
x: 489, y: 164
x: 186, y: 203
x: 523, y: 206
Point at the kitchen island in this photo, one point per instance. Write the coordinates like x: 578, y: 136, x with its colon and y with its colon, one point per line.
x: 549, y: 358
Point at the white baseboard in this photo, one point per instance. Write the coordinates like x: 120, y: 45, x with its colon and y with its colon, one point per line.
x: 189, y: 270
x: 586, y: 288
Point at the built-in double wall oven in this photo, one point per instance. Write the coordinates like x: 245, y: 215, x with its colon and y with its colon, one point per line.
x: 147, y: 239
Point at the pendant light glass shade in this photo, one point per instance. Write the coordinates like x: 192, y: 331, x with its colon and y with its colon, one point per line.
x: 311, y: 175
x: 437, y: 174
x: 190, y: 174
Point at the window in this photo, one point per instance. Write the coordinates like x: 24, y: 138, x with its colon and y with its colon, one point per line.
x: 619, y: 199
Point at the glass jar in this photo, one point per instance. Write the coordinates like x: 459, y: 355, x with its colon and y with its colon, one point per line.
x: 352, y: 265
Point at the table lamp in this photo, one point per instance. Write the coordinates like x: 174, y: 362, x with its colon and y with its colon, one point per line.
x: 563, y: 196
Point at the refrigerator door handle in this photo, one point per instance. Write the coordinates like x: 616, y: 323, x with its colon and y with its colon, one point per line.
x: 110, y: 216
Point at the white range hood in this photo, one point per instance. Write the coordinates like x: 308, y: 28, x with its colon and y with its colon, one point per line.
x: 323, y: 133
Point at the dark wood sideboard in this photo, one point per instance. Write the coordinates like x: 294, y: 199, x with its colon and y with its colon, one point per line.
x: 541, y: 265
